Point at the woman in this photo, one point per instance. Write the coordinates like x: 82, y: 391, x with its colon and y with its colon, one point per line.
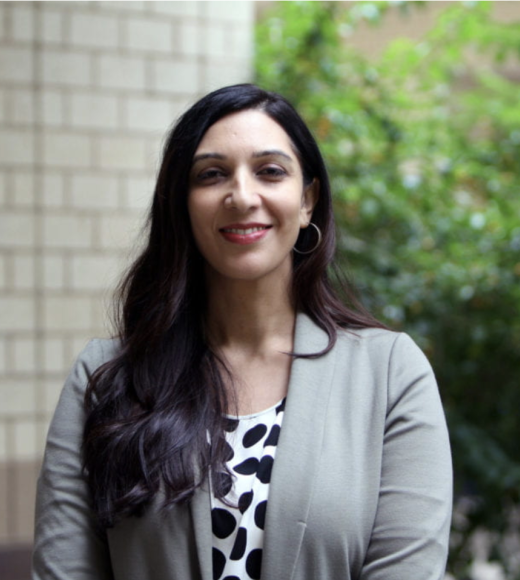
x: 245, y: 422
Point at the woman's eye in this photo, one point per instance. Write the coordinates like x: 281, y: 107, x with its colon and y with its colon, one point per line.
x: 273, y: 171
x: 209, y: 175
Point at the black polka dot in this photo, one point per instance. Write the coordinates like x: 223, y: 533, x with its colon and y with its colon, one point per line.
x: 265, y: 468
x: 254, y: 564
x: 244, y: 501
x: 272, y: 439
x: 260, y: 510
x: 222, y: 522
x: 231, y: 578
x: 281, y: 407
x: 247, y: 467
x: 239, y: 548
x: 230, y: 425
x: 224, y: 481
x: 228, y: 452
x: 254, y: 435
x: 219, y: 561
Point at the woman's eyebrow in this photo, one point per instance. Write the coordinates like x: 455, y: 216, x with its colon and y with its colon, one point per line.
x: 256, y: 155
x: 202, y: 156
x: 270, y: 152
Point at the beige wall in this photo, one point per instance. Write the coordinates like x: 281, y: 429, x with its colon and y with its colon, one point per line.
x: 87, y: 90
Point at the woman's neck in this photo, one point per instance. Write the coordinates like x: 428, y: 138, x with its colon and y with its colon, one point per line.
x: 252, y: 316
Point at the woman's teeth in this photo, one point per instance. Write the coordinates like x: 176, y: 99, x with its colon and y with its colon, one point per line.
x: 245, y: 231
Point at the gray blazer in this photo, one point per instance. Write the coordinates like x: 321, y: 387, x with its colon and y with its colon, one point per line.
x: 361, y: 485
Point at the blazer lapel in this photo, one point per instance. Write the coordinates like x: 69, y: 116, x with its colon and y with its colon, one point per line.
x: 300, y: 443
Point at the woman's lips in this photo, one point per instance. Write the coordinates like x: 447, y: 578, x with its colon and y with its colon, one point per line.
x: 244, y: 233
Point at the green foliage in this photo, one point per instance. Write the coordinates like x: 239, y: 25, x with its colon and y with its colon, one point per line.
x: 423, y: 147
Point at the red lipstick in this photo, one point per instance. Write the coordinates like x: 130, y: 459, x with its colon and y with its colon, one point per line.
x: 244, y: 234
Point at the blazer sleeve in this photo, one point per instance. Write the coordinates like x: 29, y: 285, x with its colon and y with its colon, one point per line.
x: 410, y: 534
x: 67, y: 543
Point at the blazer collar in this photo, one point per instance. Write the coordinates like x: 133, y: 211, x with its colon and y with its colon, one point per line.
x: 293, y: 470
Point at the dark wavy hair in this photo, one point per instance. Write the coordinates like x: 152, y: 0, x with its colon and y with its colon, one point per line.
x: 151, y: 408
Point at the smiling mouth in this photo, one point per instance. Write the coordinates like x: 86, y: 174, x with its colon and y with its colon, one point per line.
x: 244, y: 231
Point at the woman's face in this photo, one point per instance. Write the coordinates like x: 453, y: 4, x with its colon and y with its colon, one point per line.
x: 247, y: 200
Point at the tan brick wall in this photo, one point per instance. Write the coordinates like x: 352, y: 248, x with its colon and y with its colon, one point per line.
x: 87, y: 91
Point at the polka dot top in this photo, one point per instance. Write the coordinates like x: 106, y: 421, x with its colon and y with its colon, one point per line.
x: 238, y: 532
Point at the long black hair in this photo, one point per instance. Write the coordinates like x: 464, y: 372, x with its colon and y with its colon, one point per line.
x: 151, y: 409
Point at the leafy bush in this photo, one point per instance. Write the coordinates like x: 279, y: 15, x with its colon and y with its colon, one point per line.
x: 423, y: 147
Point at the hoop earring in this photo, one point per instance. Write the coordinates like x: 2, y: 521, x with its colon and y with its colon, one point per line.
x: 318, y: 242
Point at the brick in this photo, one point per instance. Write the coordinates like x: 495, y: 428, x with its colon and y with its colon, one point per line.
x: 65, y: 313
x: 51, y: 29
x: 3, y: 284
x: 3, y: 103
x: 190, y: 38
x: 16, y: 312
x: 3, y: 356
x: 97, y: 111
x: 118, y: 232
x: 16, y: 65
x: 22, y: 189
x: 22, y: 109
x: 51, y: 395
x: 122, y: 5
x: 94, y: 191
x: 3, y: 188
x: 66, y: 231
x: 149, y: 114
x: 95, y: 272
x: 3, y: 486
x: 175, y: 77
x: 2, y: 20
x: 25, y: 440
x: 23, y: 278
x: 52, y: 191
x: 217, y: 38
x: 53, y: 272
x: 99, y: 315
x: 53, y: 359
x: 16, y: 147
x: 121, y: 153
x: 221, y: 74
x: 239, y: 12
x: 25, y: 475
x: 17, y: 397
x: 66, y: 68
x: 155, y: 36
x: 23, y: 355
x: 16, y: 229
x: 22, y: 22
x: 120, y: 72
x: 52, y: 108
x: 94, y: 31
x: 66, y: 150
x: 139, y: 192
x: 243, y: 42
x: 176, y: 8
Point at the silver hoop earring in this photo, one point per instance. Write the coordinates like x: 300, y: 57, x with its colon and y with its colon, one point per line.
x: 318, y: 242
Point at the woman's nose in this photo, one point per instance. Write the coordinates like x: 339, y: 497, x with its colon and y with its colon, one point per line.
x: 242, y: 195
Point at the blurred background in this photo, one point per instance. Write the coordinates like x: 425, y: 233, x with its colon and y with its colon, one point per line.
x: 416, y: 108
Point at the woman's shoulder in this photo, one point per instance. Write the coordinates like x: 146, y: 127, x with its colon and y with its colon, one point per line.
x: 96, y: 353
x: 381, y: 344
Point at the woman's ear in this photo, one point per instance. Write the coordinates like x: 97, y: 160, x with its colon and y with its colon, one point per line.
x: 310, y: 196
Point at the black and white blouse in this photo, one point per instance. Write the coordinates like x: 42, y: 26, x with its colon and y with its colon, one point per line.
x: 238, y: 532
